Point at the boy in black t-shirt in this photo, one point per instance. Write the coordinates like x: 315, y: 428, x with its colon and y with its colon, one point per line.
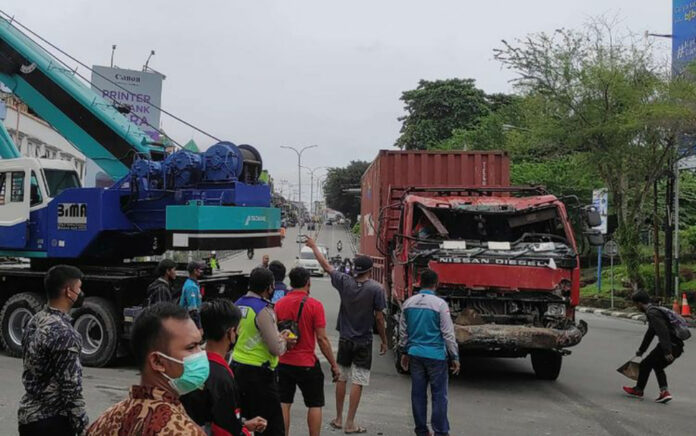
x: 216, y: 407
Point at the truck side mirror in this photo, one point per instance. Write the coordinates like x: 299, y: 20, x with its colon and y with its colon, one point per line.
x: 592, y: 217
x: 595, y: 238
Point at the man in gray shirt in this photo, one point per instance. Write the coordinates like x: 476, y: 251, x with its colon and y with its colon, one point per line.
x: 362, y: 303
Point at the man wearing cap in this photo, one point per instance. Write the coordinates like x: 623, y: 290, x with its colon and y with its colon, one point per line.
x: 362, y: 303
x: 191, y: 297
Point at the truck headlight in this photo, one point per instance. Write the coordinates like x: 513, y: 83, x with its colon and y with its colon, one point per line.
x: 555, y: 310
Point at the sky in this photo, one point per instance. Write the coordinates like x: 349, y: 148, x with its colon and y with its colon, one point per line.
x: 304, y: 72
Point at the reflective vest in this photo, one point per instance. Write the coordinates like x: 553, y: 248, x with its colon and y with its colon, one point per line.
x: 250, y: 348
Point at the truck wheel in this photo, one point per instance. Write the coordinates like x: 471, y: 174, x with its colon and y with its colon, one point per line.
x: 546, y: 364
x: 15, y: 315
x: 97, y: 321
x: 393, y: 338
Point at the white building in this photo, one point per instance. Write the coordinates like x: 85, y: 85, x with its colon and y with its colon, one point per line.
x: 36, y: 138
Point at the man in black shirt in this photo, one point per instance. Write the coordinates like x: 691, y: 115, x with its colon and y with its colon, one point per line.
x: 668, y: 349
x: 160, y: 291
x: 216, y: 407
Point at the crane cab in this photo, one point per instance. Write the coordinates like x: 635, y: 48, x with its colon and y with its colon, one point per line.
x: 27, y: 185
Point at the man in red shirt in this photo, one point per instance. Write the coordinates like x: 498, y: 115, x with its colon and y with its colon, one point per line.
x: 300, y: 366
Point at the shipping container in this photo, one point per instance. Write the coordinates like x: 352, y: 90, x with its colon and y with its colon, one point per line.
x: 394, y: 171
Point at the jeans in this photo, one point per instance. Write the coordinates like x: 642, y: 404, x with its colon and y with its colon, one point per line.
x: 426, y: 371
x: 655, y: 361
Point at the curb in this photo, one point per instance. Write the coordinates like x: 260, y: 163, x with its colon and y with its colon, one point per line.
x: 613, y: 313
x: 636, y: 316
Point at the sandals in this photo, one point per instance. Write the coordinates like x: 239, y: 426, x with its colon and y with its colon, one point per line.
x: 357, y: 430
x: 334, y: 425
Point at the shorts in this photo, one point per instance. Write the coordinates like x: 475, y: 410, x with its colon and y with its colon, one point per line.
x: 355, y: 375
x: 355, y: 360
x: 354, y: 354
x: 310, y: 380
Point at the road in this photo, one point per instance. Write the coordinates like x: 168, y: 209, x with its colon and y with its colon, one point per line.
x: 490, y: 397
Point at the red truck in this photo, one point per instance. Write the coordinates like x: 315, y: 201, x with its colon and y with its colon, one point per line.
x: 506, y: 256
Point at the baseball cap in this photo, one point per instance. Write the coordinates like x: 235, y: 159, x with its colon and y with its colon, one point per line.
x: 194, y: 265
x: 362, y: 264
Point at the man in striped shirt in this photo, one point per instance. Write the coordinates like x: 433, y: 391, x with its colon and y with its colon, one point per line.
x: 427, y: 343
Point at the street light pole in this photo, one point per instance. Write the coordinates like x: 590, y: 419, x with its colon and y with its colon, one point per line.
x: 311, y: 185
x: 299, y: 166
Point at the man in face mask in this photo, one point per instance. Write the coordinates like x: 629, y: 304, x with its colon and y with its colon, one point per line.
x: 217, y: 407
x: 52, y: 378
x: 166, y: 347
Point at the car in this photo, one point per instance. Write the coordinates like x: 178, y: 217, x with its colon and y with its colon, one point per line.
x: 308, y: 261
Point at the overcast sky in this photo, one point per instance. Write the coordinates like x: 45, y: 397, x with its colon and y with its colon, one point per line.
x: 300, y: 72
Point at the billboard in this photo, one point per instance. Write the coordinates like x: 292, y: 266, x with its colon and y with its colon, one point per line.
x: 600, y: 200
x: 138, y: 89
x: 683, y: 34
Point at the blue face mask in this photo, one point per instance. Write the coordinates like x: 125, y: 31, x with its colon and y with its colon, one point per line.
x: 196, y: 371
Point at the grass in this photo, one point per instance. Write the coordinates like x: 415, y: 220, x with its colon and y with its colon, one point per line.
x: 620, y: 276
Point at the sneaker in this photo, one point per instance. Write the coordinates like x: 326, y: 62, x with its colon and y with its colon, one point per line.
x: 632, y: 392
x: 664, y: 397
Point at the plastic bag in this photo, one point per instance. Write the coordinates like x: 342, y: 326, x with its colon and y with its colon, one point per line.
x: 630, y: 369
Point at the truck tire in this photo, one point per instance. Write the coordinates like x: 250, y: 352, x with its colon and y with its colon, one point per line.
x: 393, y: 338
x: 98, y: 322
x: 546, y: 364
x: 15, y: 315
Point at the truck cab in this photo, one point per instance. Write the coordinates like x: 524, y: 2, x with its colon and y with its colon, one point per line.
x: 27, y: 186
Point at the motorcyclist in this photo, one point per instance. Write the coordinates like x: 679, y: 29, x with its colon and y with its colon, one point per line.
x: 339, y: 246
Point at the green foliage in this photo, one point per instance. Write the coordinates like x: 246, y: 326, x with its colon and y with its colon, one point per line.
x: 338, y: 180
x: 436, y: 108
x: 603, y: 96
x: 356, y: 228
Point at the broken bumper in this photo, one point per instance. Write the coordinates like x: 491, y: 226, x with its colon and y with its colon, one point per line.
x: 515, y: 337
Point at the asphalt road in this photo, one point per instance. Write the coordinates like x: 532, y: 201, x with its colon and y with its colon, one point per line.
x: 490, y: 397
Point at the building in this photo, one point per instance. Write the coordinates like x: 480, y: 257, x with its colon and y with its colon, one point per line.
x: 36, y: 138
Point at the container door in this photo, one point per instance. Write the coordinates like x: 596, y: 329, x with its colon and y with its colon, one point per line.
x: 14, y: 207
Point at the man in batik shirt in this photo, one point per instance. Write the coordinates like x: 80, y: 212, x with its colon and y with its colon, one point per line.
x: 166, y: 347
x: 52, y: 377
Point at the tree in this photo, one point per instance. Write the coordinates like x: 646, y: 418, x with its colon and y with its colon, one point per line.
x: 436, y: 108
x: 605, y: 96
x: 338, y: 181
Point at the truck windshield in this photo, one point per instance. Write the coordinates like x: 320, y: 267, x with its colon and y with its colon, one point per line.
x: 532, y: 225
x: 60, y: 180
x: 307, y: 255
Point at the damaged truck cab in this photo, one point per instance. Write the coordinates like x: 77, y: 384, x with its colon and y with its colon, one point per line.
x: 506, y: 256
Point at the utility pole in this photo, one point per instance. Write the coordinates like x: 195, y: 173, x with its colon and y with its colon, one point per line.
x: 299, y: 166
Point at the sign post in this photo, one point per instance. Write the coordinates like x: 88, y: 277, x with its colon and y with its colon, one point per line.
x: 612, y: 249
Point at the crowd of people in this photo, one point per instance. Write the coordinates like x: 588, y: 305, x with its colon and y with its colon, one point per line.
x: 232, y: 368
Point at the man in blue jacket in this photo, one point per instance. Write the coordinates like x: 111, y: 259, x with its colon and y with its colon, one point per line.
x: 427, y: 343
x: 191, y: 297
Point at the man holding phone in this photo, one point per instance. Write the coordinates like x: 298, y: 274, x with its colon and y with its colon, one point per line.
x: 427, y: 342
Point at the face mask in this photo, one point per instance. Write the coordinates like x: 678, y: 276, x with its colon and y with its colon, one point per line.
x: 77, y: 303
x: 196, y: 370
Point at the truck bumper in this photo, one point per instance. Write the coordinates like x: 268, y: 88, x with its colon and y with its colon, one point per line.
x: 515, y: 337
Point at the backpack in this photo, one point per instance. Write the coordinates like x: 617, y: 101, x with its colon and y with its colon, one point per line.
x: 677, y: 323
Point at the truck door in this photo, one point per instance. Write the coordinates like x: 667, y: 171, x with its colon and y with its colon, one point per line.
x: 14, y: 207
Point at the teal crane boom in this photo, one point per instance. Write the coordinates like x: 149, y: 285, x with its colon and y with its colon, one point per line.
x: 90, y: 123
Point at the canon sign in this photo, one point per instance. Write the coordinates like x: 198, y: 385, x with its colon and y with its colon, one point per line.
x: 127, y: 78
